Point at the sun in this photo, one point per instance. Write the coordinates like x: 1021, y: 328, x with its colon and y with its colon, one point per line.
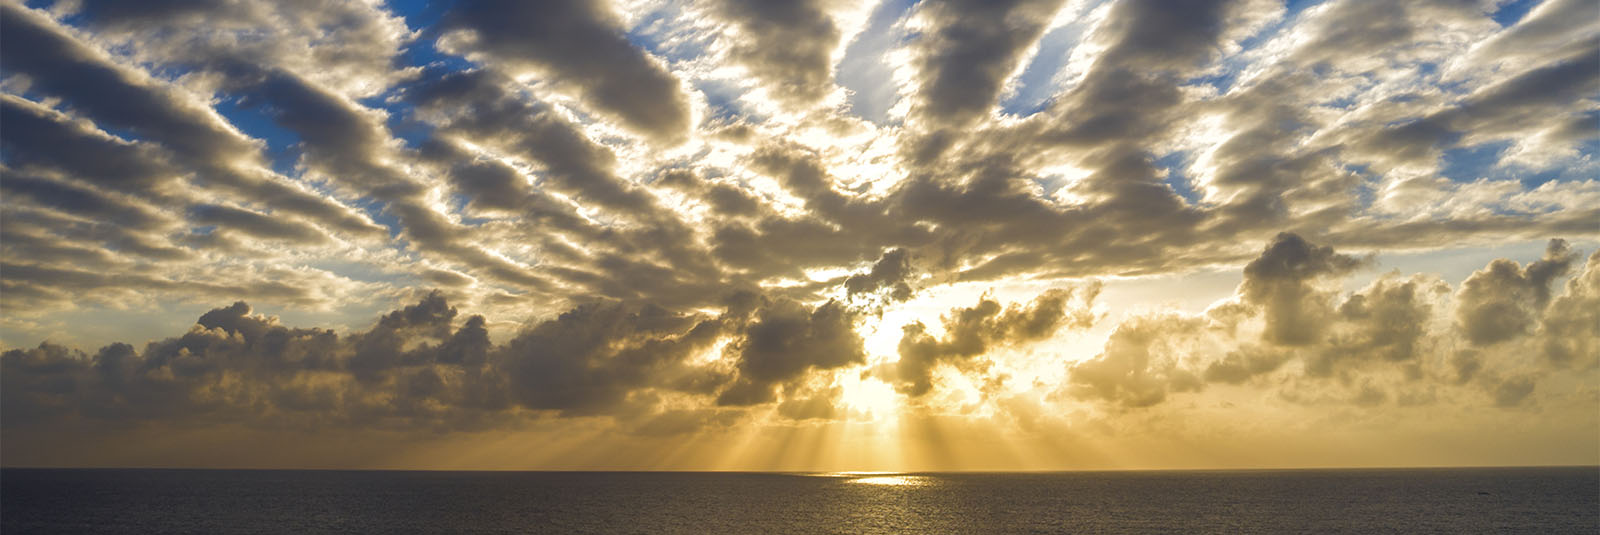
x: 868, y: 398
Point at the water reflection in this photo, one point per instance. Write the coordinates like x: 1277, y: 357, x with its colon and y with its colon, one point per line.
x: 890, y: 479
x: 894, y: 480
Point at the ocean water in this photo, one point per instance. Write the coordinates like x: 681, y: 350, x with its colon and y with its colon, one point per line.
x: 1479, y: 500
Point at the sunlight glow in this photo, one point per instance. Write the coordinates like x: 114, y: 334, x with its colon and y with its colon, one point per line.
x: 892, y: 481
x: 872, y: 397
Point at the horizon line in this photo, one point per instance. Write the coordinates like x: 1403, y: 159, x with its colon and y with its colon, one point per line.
x: 822, y: 472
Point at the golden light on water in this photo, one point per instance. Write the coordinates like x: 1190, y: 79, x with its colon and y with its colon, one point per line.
x: 887, y: 479
x: 893, y: 481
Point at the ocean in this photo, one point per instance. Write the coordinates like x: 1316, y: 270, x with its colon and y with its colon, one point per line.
x: 1456, y: 500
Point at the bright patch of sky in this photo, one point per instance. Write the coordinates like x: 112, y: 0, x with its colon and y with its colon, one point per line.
x: 865, y: 71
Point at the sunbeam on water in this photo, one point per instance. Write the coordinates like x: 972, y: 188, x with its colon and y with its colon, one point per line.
x: 892, y: 480
x: 885, y: 479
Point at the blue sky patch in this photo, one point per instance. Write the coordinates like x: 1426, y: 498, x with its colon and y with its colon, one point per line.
x: 257, y: 121
x: 1174, y: 164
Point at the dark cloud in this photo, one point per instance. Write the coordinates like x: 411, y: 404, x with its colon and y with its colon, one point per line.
x: 891, y: 272
x: 417, y: 368
x: 784, y: 340
x: 1466, y: 364
x: 590, y: 358
x: 1353, y: 27
x: 480, y: 108
x: 1387, y: 321
x: 59, y: 65
x: 48, y: 217
x: 811, y: 408
x: 37, y: 136
x: 981, y: 186
x: 970, y: 50
x: 787, y: 44
x: 1504, y: 300
x: 657, y: 258
x: 578, y: 44
x: 423, y: 367
x: 256, y: 224
x: 83, y: 200
x: 1283, y: 282
x: 1152, y: 33
x: 351, y: 147
x: 29, y: 283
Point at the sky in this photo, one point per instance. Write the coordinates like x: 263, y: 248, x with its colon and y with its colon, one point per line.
x: 799, y: 235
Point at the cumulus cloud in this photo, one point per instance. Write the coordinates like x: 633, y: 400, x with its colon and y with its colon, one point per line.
x: 786, y: 339
x: 1282, y: 282
x: 1571, y: 325
x: 1504, y: 300
x: 1143, y: 361
x: 1387, y: 321
x: 971, y: 332
x: 422, y: 367
x: 1395, y: 331
x: 590, y: 358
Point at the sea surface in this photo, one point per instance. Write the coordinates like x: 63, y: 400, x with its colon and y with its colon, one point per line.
x: 1477, y: 500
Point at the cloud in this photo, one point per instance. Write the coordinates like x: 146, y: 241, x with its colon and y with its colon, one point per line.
x: 589, y: 359
x: 1504, y: 300
x: 1571, y: 325
x: 1369, y: 347
x: 54, y: 141
x: 786, y: 339
x: 194, y: 135
x: 255, y: 224
x: 1143, y: 361
x: 890, y: 272
x: 789, y: 45
x: 1513, y: 391
x: 422, y: 367
x: 1520, y: 105
x: 1282, y: 282
x: 576, y: 44
x: 332, y: 117
x: 971, y: 332
x: 479, y: 108
x: 812, y: 408
x: 652, y: 371
x: 969, y: 50
x: 1247, y: 362
x: 1387, y: 322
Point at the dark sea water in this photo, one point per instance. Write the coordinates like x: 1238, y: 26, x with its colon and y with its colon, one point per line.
x: 1488, y: 500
